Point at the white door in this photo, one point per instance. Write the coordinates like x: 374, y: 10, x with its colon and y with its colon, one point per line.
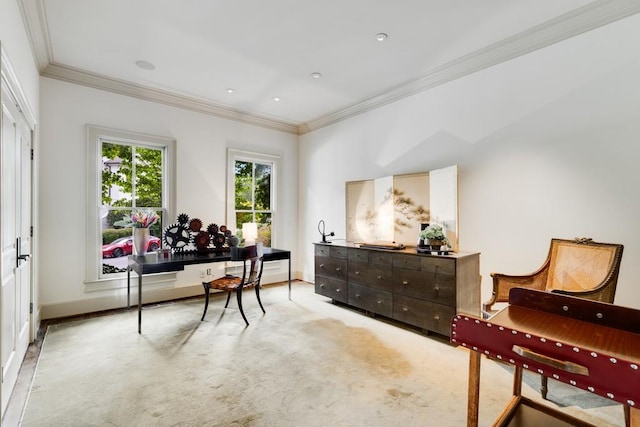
x: 15, y: 223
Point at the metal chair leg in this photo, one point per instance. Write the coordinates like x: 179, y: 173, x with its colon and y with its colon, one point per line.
x: 544, y: 386
x: 207, y: 287
x: 228, y: 298
x: 258, y: 297
x: 239, y: 295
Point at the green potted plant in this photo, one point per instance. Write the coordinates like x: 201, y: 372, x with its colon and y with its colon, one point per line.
x: 433, y: 236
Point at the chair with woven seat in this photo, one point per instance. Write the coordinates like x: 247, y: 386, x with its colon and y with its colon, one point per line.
x: 580, y: 267
x: 251, y: 258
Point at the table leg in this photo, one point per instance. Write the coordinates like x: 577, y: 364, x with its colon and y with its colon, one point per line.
x: 128, y: 288
x: 139, y: 303
x: 289, y: 277
x: 517, y: 381
x: 473, y: 397
x: 632, y: 416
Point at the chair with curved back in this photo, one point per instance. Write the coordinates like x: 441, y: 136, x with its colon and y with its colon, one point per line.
x: 251, y: 258
x: 580, y: 267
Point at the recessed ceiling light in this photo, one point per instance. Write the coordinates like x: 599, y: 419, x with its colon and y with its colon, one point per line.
x: 276, y: 98
x: 145, y: 65
x: 316, y: 75
x: 381, y: 37
x: 230, y: 90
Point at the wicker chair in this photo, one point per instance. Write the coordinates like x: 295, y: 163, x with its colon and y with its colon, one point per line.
x: 580, y: 267
x: 250, y: 256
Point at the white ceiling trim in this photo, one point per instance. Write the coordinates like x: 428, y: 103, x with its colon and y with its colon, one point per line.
x: 586, y: 18
x: 35, y: 23
x: 571, y: 24
x: 96, y: 81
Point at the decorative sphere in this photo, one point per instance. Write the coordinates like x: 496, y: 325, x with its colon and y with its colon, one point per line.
x: 234, y: 241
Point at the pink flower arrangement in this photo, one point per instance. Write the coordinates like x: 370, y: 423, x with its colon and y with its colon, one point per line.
x: 138, y: 219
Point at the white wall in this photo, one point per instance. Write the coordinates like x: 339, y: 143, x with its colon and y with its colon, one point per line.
x: 547, y: 146
x: 16, y: 44
x: 202, y: 142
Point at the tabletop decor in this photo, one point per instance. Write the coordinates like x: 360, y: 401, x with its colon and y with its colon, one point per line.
x: 188, y: 235
x: 139, y: 220
x: 432, y: 238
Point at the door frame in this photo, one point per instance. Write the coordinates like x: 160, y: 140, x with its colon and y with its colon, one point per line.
x: 10, y: 80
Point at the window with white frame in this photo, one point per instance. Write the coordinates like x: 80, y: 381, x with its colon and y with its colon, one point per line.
x: 127, y: 172
x: 251, y: 192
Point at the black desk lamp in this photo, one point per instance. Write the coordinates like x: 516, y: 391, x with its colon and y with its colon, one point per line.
x: 321, y: 229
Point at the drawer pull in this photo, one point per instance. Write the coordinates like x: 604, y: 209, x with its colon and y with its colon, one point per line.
x: 436, y: 317
x: 405, y: 308
x: 322, y: 285
x: 357, y: 273
x: 405, y: 282
x: 321, y: 265
x: 574, y: 368
x: 338, y: 290
x: 437, y: 289
x: 357, y: 295
x: 379, y: 277
x: 337, y: 268
x: 380, y: 302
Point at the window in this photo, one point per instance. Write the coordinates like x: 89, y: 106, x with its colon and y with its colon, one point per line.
x: 128, y: 171
x: 251, y: 192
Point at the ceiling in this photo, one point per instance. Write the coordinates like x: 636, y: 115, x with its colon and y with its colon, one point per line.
x: 267, y: 49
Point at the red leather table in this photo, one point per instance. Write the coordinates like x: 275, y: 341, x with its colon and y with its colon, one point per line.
x: 591, y: 345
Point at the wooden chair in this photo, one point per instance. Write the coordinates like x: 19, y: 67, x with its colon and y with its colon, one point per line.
x: 579, y: 267
x: 251, y: 258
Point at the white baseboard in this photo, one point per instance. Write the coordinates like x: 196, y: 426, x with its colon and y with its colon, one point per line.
x: 149, y: 295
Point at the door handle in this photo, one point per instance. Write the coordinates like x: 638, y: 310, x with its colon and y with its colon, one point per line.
x: 20, y: 257
x: 567, y: 366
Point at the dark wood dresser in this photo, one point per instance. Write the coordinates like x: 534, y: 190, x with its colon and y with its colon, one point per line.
x: 421, y: 290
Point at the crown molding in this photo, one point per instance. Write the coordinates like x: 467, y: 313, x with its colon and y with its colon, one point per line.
x: 34, y: 19
x: 122, y: 87
x: 570, y: 24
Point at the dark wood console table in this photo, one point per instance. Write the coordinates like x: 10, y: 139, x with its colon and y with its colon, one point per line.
x: 590, y: 345
x: 152, y: 263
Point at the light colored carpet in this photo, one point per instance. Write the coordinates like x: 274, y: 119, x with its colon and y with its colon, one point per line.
x: 305, y: 363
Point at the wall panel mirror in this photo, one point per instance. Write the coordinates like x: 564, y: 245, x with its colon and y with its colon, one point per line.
x: 392, y: 208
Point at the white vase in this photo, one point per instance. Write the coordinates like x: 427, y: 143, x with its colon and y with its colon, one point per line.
x: 140, y: 241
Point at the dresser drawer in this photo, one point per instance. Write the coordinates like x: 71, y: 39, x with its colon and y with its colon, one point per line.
x: 411, y: 262
x: 409, y: 310
x: 366, y: 274
x: 322, y: 250
x: 373, y: 300
x: 380, y: 259
x: 332, y: 267
x: 358, y: 255
x: 438, y: 265
x: 430, y: 286
x: 438, y: 318
x: 424, y: 314
x: 332, y: 288
x: 338, y: 252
